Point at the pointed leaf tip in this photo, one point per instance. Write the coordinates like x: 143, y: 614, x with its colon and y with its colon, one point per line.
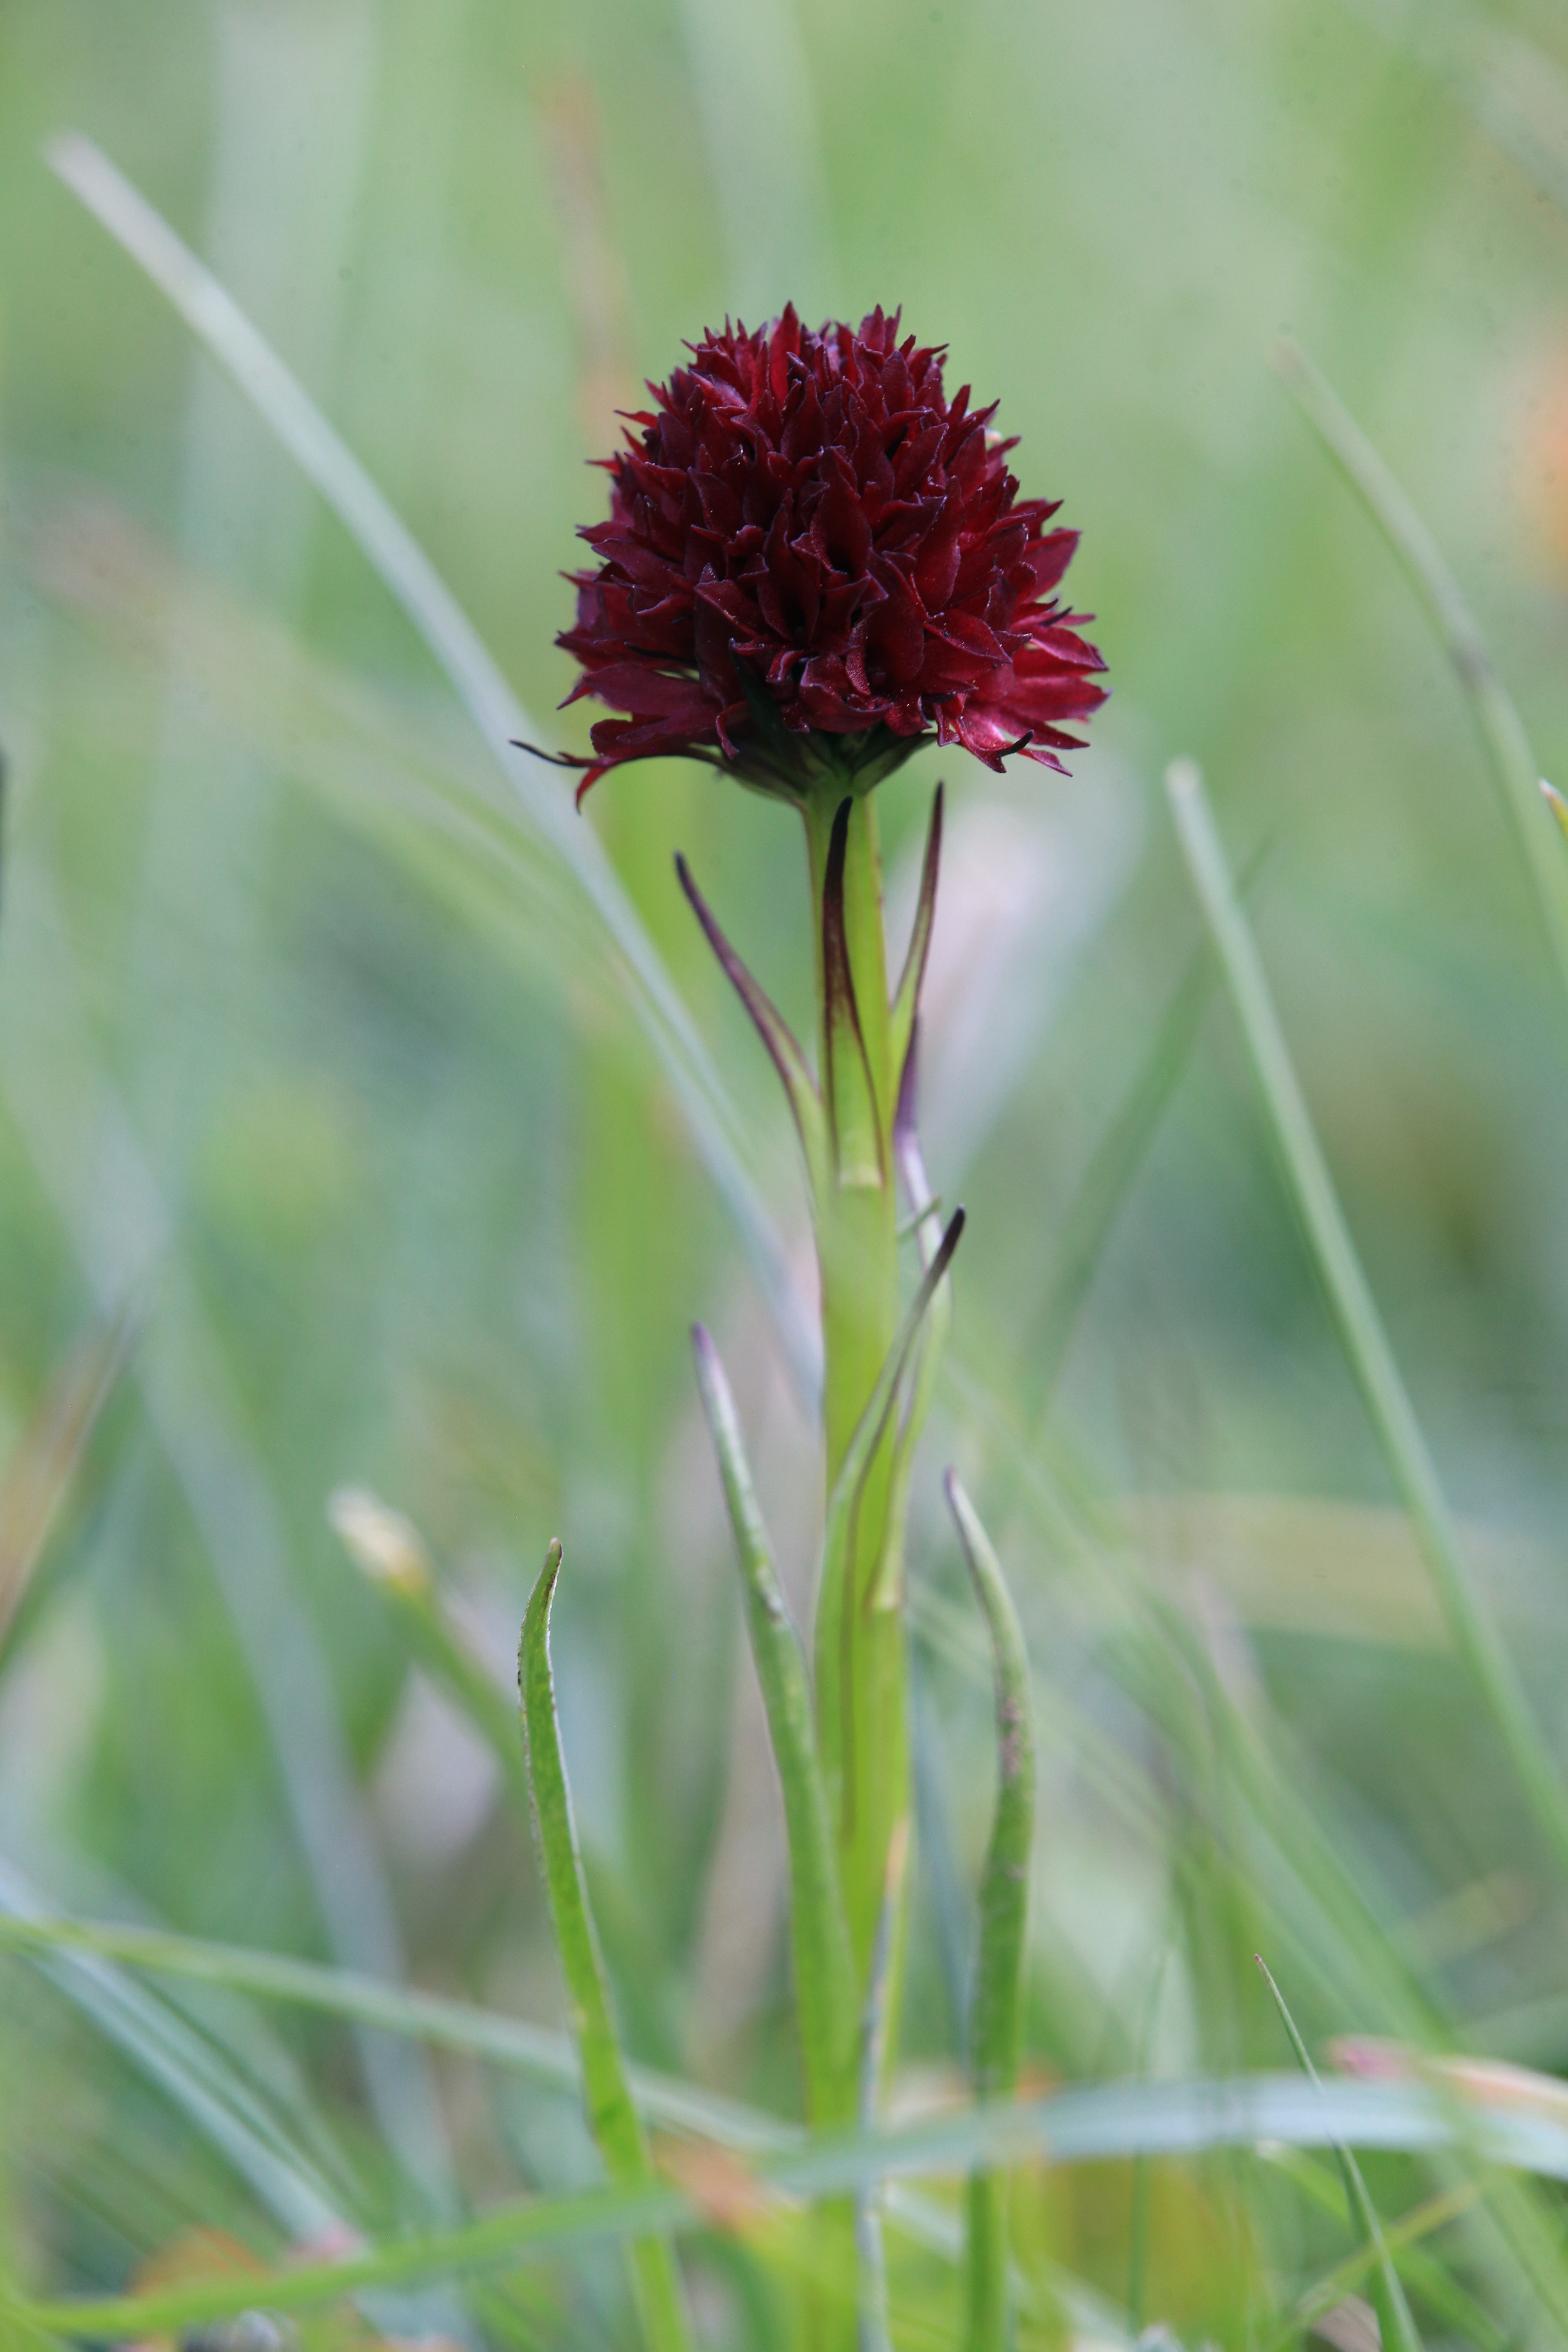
x: 536, y: 1619
x: 873, y: 1420
x: 848, y: 1085
x: 1395, y: 2324
x: 837, y: 976
x: 906, y: 1003
x: 774, y: 1031
x: 946, y: 1247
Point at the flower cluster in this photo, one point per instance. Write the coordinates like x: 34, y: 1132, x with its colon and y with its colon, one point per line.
x: 807, y: 539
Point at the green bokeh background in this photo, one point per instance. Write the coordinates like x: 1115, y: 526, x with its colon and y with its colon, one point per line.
x: 366, y: 1132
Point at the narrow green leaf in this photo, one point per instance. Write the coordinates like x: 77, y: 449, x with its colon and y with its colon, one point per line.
x: 1403, y: 2239
x: 1113, y: 2121
x: 1556, y: 803
x: 433, y: 2018
x: 906, y: 1005
x: 1388, y: 1406
x: 783, y: 1048
x: 931, y: 1346
x: 612, y: 2117
x: 43, y: 1460
x: 996, y: 2011
x: 1496, y: 718
x: 824, y: 1970
x: 387, y: 1548
x: 872, y: 1424
x: 1394, y: 2318
x: 187, y: 2066
x: 842, y: 1503
x: 18, y: 2331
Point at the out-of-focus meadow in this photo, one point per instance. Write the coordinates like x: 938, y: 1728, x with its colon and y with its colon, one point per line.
x: 332, y: 1152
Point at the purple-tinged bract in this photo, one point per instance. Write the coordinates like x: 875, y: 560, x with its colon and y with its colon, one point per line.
x: 808, y: 539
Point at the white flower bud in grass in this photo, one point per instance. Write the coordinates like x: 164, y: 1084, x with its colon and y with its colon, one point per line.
x: 379, y: 1540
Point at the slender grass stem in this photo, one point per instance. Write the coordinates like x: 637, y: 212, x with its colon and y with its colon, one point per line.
x: 41, y: 1465
x: 1496, y: 718
x: 1475, y: 1637
x: 1402, y: 2241
x: 1395, y: 2325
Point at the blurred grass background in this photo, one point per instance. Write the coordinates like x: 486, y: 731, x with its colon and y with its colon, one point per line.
x: 357, y: 1134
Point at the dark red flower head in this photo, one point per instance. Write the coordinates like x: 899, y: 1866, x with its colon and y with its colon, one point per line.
x: 807, y: 541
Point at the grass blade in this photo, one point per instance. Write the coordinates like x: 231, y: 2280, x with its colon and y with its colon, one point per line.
x: 824, y: 1971
x: 1114, y: 2120
x: 184, y: 2066
x: 1107, y: 1177
x: 391, y: 548
x: 612, y: 2117
x: 1114, y: 1165
x: 79, y: 1132
x: 1471, y: 1627
x: 1402, y: 2239
x: 996, y: 2011
x: 1394, y: 2319
x: 387, y: 1548
x: 44, y: 1459
x: 844, y: 1500
x: 433, y: 2018
x: 903, y: 1014
x: 1497, y: 719
x: 938, y: 1327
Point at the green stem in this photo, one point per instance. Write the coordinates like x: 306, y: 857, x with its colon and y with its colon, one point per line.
x: 856, y: 1211
x: 1396, y: 2328
x: 859, y: 1635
